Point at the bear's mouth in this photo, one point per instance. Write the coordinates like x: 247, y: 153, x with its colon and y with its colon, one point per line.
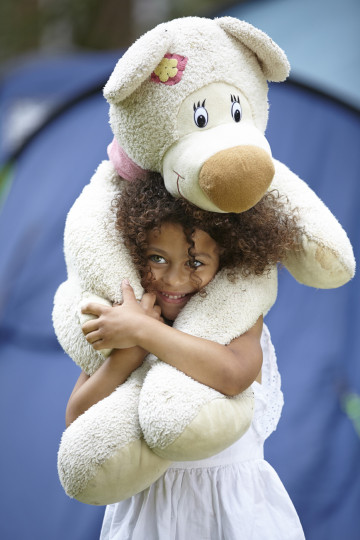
x: 177, y: 184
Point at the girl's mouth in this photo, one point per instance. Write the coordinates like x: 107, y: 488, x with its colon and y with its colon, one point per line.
x: 174, y: 298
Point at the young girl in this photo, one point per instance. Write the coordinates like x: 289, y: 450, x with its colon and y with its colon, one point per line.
x: 178, y: 249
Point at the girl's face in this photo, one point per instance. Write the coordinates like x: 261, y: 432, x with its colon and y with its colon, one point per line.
x: 169, y: 261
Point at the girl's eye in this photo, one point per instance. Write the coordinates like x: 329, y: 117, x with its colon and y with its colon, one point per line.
x: 157, y: 259
x: 235, y: 108
x: 201, y: 116
x: 195, y: 264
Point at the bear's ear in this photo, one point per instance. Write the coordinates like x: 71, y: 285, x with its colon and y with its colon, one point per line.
x: 272, y: 59
x: 137, y: 64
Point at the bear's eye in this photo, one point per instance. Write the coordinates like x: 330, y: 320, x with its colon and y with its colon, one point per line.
x: 201, y: 116
x: 235, y: 108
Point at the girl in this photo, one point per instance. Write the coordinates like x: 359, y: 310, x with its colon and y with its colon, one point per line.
x: 178, y: 249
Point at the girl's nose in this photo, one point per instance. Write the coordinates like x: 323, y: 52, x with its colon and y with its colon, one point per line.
x: 176, y: 276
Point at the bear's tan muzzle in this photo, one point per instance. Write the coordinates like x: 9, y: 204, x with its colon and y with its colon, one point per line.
x: 235, y: 179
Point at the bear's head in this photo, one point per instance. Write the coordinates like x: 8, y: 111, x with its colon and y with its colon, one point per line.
x: 189, y: 100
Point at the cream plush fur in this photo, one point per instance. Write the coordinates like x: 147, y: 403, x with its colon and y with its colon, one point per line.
x: 125, y: 442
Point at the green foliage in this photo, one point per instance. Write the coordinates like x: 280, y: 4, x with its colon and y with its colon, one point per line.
x: 6, y: 176
x: 351, y: 407
x: 57, y: 25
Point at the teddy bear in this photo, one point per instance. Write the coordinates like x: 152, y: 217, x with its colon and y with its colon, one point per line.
x: 188, y: 100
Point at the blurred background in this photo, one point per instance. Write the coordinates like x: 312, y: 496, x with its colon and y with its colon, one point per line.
x: 55, y: 57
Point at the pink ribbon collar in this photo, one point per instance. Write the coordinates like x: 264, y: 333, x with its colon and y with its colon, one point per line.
x: 124, y: 166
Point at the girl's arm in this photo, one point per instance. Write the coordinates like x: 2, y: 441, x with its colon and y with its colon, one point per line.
x: 229, y: 369
x: 112, y: 373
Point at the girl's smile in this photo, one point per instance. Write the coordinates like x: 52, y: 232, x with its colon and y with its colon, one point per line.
x: 177, y: 277
x: 172, y: 298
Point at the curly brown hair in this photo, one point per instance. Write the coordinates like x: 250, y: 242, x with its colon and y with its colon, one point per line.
x: 251, y: 241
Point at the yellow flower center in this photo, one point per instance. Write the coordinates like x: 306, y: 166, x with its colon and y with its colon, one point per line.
x: 166, y: 69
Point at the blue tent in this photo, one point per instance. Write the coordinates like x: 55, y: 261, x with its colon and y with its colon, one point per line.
x: 46, y: 175
x: 316, y: 447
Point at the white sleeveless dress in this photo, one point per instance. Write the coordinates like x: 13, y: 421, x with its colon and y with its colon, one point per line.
x: 234, y: 495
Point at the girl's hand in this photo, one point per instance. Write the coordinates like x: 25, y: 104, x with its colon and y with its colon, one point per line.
x: 116, y: 327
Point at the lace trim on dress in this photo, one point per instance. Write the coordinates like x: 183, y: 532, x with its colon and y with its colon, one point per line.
x: 269, y: 391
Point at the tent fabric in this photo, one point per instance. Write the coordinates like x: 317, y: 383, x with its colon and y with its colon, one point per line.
x: 36, y: 377
x: 37, y: 88
x: 316, y: 447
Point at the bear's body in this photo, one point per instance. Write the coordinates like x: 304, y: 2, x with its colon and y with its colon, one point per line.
x: 188, y: 100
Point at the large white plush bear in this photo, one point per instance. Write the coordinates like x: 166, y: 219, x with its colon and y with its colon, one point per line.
x: 188, y: 100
